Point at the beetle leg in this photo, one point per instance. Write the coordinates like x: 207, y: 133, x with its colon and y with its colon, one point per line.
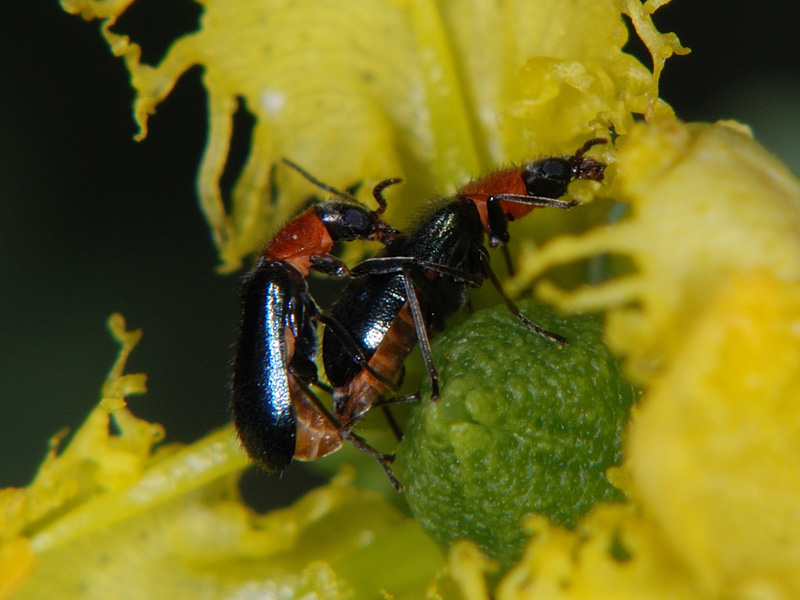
x: 507, y: 257
x: 383, y: 265
x: 543, y: 201
x: 560, y: 340
x: 497, y: 222
x: 408, y: 398
x: 329, y: 265
x: 383, y: 459
x: 422, y: 333
x: 398, y: 433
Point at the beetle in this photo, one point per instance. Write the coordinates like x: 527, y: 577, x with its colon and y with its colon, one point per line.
x: 275, y: 413
x: 406, y: 293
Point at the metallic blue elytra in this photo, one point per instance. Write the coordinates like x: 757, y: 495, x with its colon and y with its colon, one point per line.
x: 273, y: 304
x: 405, y: 294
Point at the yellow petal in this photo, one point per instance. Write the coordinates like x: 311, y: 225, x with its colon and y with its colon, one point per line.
x: 709, y: 322
x: 715, y: 450
x: 368, y: 89
x: 707, y: 202
x: 110, y: 515
x: 17, y: 561
x: 614, y: 553
x: 208, y: 544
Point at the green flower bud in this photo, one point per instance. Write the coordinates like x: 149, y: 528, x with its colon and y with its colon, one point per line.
x: 522, y: 427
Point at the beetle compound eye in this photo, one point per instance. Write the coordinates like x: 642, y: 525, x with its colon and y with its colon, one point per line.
x: 356, y: 220
x: 345, y: 222
x: 556, y: 169
x: 548, y: 178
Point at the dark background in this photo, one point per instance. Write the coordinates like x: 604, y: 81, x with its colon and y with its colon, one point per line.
x: 92, y: 222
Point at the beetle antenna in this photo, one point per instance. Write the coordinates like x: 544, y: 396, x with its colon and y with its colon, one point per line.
x: 324, y: 186
x: 585, y: 148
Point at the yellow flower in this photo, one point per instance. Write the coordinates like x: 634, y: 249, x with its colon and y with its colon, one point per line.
x: 706, y: 320
x: 366, y: 88
x: 709, y: 323
x: 109, y: 513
